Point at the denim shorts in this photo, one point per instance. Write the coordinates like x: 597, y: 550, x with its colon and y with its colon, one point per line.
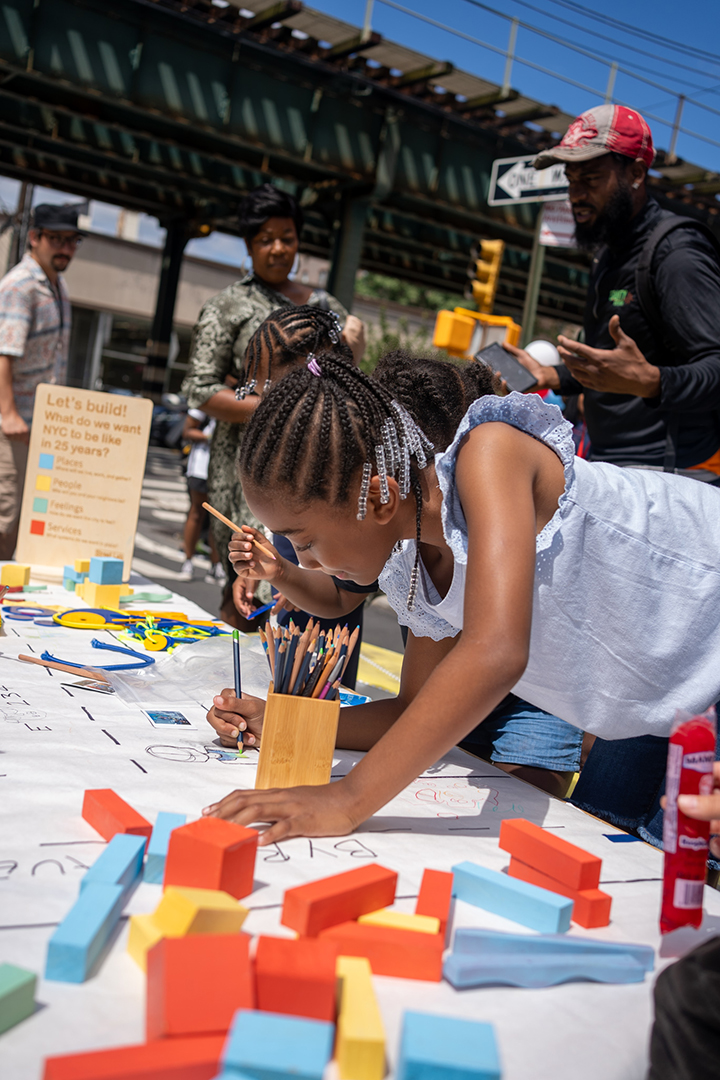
x: 519, y: 733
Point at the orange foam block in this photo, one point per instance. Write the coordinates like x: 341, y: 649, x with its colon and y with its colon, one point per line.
x: 560, y: 860
x: 109, y: 814
x: 297, y: 977
x: 212, y: 854
x: 402, y: 953
x: 435, y: 897
x: 196, y: 984
x: 313, y: 907
x: 195, y: 1058
x: 591, y: 907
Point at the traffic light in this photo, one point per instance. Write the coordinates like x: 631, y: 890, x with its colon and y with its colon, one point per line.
x: 484, y: 272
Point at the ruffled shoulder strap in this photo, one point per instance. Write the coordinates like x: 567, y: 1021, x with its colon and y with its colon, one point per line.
x: 527, y: 412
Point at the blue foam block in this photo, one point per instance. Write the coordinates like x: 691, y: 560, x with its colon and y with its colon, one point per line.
x: 106, y: 571
x: 444, y: 1048
x: 514, y: 899
x: 268, y: 1046
x: 489, y: 957
x: 119, y: 864
x: 77, y: 945
x: 158, y: 846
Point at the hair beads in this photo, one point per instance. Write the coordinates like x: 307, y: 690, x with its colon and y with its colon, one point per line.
x: 364, y: 489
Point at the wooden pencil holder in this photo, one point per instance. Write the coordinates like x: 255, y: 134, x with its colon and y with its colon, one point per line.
x: 298, y: 741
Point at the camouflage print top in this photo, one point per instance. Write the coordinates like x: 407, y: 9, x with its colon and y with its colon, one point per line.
x: 220, y: 338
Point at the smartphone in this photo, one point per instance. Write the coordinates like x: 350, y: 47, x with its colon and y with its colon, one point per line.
x: 515, y: 375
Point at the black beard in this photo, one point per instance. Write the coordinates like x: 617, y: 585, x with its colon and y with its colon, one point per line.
x: 611, y: 225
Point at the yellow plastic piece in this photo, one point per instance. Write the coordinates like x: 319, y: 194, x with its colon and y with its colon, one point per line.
x: 198, y: 911
x: 453, y: 332
x: 82, y: 566
x: 100, y: 596
x: 143, y: 935
x: 360, y: 1046
x: 399, y: 920
x: 42, y: 483
x: 154, y: 641
x: 15, y: 574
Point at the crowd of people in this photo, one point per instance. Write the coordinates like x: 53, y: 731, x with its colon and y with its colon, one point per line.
x: 558, y: 608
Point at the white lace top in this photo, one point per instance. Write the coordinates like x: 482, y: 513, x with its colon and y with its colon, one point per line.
x: 626, y: 602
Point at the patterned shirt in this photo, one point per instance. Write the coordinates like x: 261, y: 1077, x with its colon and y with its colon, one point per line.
x: 220, y: 338
x: 34, y: 330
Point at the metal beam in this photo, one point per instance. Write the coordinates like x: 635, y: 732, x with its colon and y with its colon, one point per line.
x: 158, y: 346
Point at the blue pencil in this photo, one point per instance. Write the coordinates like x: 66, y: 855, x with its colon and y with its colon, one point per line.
x: 236, y: 663
x: 261, y: 610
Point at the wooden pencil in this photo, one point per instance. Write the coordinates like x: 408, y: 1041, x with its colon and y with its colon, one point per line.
x: 82, y: 673
x: 238, y: 529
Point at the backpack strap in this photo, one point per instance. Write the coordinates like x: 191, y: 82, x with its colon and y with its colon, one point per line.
x: 647, y: 299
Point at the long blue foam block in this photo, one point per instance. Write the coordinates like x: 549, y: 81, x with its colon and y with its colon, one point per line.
x: 268, y: 1046
x: 158, y: 846
x: 119, y: 864
x: 445, y: 1048
x: 78, y: 943
x: 517, y: 900
x: 473, y: 941
x: 464, y: 971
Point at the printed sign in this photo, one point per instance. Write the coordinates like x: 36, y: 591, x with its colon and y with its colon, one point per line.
x: 84, y: 476
x: 558, y: 225
x: 514, y: 180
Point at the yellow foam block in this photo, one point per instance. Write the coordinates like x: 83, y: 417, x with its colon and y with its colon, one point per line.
x: 198, y: 911
x: 398, y: 920
x: 143, y: 935
x: 14, y: 574
x: 99, y: 596
x: 42, y: 483
x: 360, y: 1046
x: 82, y: 566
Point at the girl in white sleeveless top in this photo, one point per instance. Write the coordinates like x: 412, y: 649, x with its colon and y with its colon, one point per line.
x: 592, y: 592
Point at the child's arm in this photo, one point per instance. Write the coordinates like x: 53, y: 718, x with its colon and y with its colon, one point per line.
x: 500, y: 473
x: 308, y: 590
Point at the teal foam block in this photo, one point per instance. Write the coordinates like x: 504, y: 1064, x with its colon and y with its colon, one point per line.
x: 445, y: 1048
x: 77, y: 945
x: 69, y: 584
x: 514, y: 899
x: 489, y: 957
x: 17, y: 995
x: 158, y: 846
x: 120, y: 863
x: 268, y: 1046
x: 106, y: 571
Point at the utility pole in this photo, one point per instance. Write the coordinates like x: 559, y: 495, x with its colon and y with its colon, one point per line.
x: 537, y: 263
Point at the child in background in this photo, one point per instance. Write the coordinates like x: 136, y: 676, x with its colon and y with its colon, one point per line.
x: 198, y: 431
x: 591, y: 590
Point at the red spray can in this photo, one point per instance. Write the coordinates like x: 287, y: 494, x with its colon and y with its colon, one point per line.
x: 691, y: 753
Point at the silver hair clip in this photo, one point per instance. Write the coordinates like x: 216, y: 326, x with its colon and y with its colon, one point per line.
x: 364, y: 490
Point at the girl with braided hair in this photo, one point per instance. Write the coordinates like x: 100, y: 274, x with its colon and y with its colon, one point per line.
x: 590, y: 590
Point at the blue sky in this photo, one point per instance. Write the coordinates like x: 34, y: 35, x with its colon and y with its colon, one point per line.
x: 694, y: 25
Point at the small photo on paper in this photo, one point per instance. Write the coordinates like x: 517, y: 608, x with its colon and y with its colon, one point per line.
x: 163, y: 718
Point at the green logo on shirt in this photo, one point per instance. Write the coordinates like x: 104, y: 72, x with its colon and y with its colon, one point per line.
x: 618, y: 297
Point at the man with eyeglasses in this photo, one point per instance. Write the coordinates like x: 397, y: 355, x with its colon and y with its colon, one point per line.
x: 34, y: 341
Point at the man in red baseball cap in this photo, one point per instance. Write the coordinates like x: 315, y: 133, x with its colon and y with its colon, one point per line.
x: 649, y: 370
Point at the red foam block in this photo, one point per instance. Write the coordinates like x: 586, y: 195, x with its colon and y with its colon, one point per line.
x: 109, y: 814
x: 195, y: 984
x: 297, y: 977
x: 313, y: 907
x: 212, y: 854
x: 402, y: 953
x: 548, y: 853
x: 435, y: 897
x: 591, y: 907
x: 169, y: 1059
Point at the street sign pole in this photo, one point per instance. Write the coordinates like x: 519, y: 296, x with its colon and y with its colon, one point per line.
x: 532, y: 293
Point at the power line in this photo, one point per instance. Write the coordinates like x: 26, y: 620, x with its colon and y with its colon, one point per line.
x: 547, y: 71
x: 647, y: 35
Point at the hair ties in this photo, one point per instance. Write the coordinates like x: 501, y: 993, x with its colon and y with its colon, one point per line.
x: 313, y: 366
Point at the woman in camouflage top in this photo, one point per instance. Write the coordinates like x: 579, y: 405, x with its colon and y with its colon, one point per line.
x: 270, y: 223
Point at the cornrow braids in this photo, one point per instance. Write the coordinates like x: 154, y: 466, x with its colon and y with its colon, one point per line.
x: 288, y: 334
x: 437, y: 393
x: 324, y: 424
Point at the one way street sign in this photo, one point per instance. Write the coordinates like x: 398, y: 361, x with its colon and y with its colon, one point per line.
x: 513, y: 180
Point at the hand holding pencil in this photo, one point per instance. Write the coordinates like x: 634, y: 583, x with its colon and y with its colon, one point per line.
x: 253, y: 556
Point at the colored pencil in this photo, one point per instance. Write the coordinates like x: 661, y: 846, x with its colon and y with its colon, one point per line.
x: 236, y: 663
x: 238, y: 529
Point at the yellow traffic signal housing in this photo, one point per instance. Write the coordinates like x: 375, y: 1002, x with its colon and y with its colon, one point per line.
x: 462, y: 332
x: 486, y: 271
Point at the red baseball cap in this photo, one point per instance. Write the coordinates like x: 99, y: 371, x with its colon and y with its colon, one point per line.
x: 602, y: 130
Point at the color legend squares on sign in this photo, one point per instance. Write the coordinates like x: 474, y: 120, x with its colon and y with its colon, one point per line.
x: 40, y: 506
x: 42, y: 483
x: 37, y: 528
x: 47, y: 461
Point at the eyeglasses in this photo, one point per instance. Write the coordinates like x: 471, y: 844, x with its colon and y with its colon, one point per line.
x: 60, y: 240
